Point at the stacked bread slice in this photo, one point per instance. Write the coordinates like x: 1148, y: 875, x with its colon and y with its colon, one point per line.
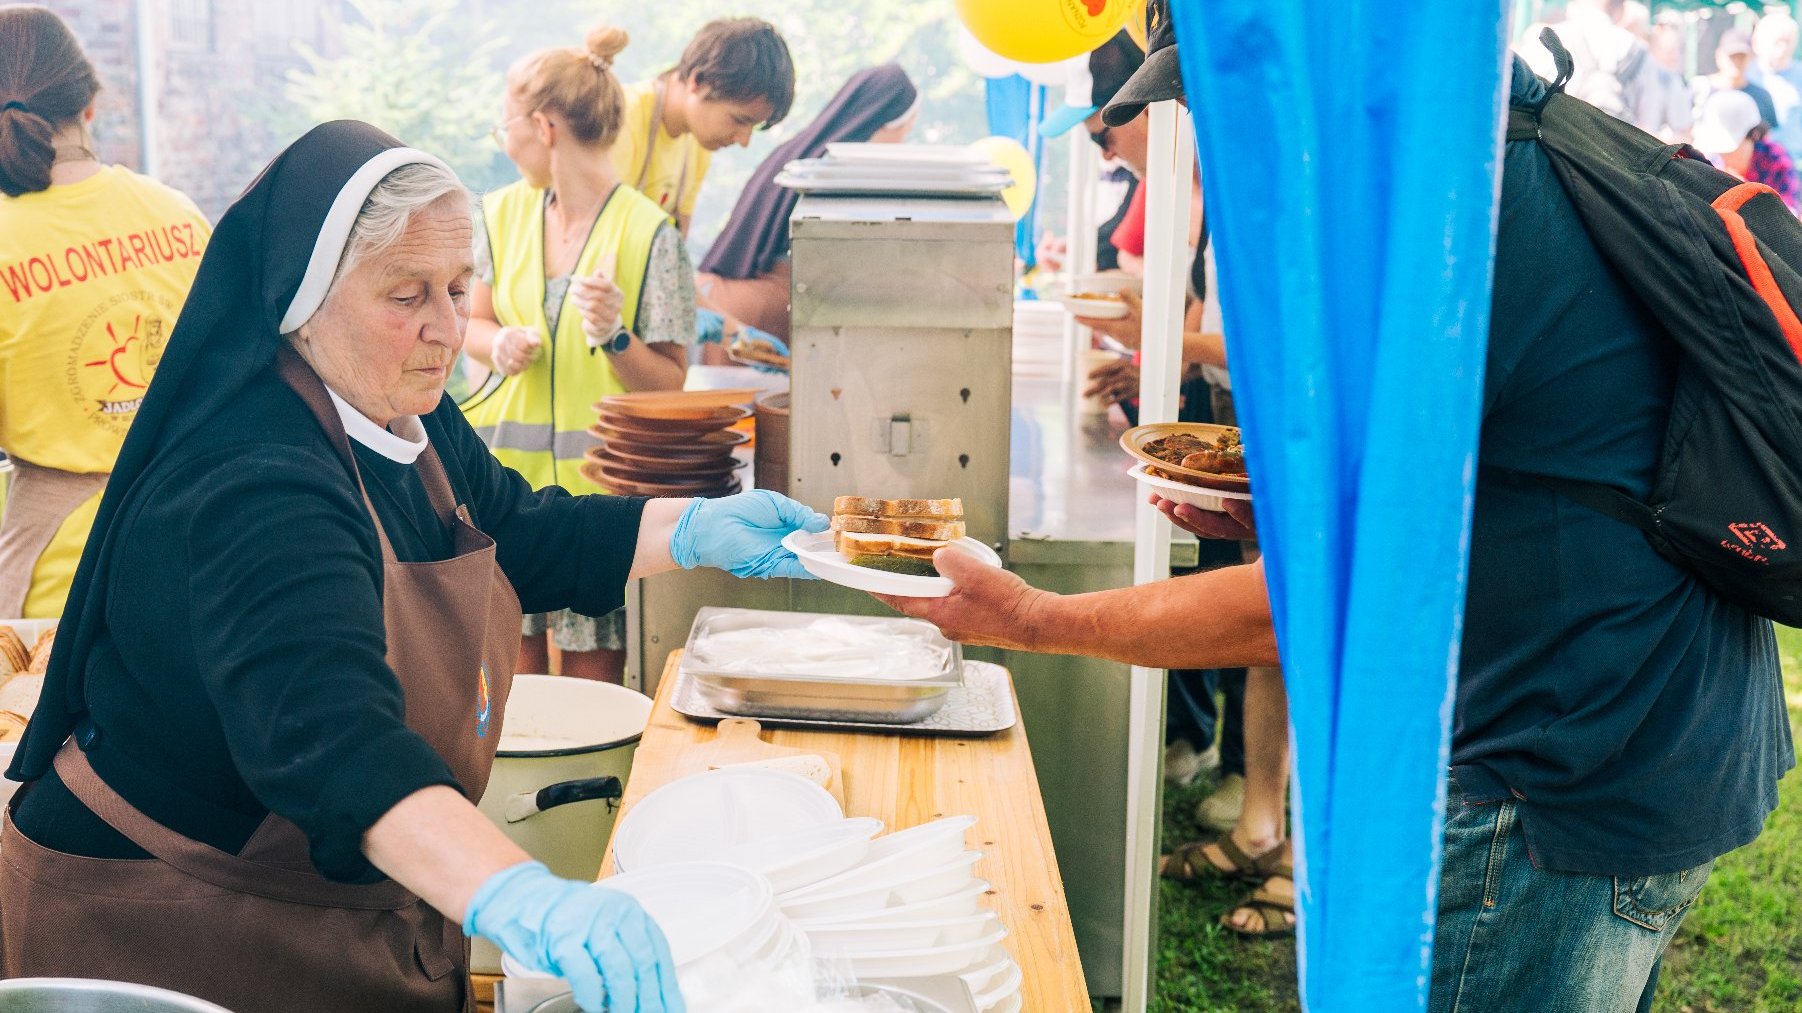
x: 898, y: 535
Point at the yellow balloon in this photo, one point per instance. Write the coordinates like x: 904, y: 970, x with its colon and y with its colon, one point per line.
x: 1043, y: 31
x: 1135, y: 22
x: 1013, y: 156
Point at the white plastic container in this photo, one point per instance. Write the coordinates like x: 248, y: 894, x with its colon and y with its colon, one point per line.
x: 898, y: 855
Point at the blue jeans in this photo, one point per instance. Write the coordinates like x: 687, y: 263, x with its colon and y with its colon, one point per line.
x: 1514, y: 937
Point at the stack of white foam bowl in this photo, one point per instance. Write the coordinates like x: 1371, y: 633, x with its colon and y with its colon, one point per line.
x: 735, y: 951
x: 911, y: 908
x: 769, y: 896
x: 1039, y: 339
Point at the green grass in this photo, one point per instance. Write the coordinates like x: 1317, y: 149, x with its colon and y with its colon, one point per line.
x: 1740, y: 949
x: 1201, y: 967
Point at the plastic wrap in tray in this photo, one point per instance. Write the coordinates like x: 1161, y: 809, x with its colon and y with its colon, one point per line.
x: 820, y: 683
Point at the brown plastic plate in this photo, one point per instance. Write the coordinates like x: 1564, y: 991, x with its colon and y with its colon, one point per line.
x: 1134, y: 440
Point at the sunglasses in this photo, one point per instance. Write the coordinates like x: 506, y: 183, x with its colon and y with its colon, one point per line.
x: 1102, y: 138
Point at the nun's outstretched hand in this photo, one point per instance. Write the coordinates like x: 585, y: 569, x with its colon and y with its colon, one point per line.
x: 743, y: 534
x: 987, y: 606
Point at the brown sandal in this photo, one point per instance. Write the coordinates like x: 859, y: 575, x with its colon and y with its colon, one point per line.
x: 1275, y: 913
x: 1190, y: 863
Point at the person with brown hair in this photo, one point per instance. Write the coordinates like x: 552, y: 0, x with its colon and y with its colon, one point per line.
x: 735, y: 77
x: 95, y: 263
x: 583, y: 289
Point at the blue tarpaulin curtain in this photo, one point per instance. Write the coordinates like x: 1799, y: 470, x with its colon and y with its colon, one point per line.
x: 1015, y: 106
x: 1350, y: 153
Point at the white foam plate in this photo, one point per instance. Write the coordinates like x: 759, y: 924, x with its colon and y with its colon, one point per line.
x: 890, y: 936
x: 931, y: 154
x: 821, y: 558
x: 989, y: 970
x: 874, y: 896
x: 898, y: 183
x: 698, y: 817
x: 1005, y: 988
x: 797, y: 859
x: 903, y: 854
x: 1182, y: 492
x: 1094, y: 309
x: 840, y: 169
x: 923, y: 962
x: 700, y: 906
x: 960, y: 903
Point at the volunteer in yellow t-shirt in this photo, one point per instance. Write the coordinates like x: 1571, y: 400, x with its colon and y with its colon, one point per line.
x: 95, y: 263
x: 735, y: 77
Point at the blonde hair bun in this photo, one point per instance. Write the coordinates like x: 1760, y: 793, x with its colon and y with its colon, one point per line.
x: 604, y: 42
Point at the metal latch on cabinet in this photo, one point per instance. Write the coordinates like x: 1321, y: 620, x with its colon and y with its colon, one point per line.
x: 899, y: 435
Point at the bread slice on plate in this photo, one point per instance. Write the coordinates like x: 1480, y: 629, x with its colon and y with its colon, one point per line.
x: 908, y: 527
x: 895, y: 535
x: 864, y: 506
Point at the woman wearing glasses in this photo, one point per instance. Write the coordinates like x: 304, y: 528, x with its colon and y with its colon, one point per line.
x: 584, y: 289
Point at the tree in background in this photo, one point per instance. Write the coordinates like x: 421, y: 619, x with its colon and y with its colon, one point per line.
x: 421, y: 70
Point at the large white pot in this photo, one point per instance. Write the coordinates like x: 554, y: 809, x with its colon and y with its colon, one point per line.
x: 566, y: 749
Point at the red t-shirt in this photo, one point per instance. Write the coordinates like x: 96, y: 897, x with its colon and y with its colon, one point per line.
x: 1129, y: 235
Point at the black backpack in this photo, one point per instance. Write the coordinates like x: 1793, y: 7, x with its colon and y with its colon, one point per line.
x: 1718, y: 263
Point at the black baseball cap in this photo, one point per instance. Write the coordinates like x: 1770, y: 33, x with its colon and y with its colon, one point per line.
x: 1159, y: 79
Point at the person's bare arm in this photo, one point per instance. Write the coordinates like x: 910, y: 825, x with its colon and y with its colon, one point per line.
x: 439, y: 846
x: 655, y: 526
x: 478, y: 336
x: 663, y: 366
x: 1217, y: 619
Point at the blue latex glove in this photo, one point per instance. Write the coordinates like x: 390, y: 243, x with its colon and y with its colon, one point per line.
x: 710, y: 327
x: 743, y: 534
x: 599, y: 940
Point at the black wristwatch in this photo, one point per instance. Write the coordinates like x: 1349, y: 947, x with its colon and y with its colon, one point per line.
x: 621, y: 340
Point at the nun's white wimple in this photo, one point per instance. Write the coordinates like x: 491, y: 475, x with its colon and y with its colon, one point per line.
x: 335, y: 233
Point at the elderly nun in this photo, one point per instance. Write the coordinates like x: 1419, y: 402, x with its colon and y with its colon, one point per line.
x: 279, y: 683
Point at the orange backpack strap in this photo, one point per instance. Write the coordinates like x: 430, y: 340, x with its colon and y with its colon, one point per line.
x: 1727, y: 205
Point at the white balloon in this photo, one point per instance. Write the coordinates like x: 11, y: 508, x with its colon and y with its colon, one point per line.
x: 981, y: 58
x: 1052, y: 75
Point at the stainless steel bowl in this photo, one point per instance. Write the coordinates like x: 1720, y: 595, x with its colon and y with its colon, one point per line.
x: 86, y: 995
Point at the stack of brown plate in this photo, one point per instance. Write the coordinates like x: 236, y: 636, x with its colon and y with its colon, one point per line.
x: 675, y: 443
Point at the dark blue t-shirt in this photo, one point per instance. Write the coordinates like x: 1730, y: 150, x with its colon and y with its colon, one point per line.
x: 1637, y: 718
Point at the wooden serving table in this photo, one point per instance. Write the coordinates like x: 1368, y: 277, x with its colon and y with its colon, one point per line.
x: 905, y: 780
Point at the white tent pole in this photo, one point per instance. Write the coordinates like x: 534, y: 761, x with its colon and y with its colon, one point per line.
x: 1083, y: 161
x: 148, y: 162
x: 1170, y: 168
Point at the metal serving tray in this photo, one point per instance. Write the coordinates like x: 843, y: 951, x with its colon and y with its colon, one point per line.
x: 812, y: 697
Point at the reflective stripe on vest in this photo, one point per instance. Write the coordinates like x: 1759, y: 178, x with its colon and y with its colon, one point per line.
x: 537, y: 422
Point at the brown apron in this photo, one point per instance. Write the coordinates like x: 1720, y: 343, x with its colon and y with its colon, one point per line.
x: 38, y: 501
x: 262, y: 930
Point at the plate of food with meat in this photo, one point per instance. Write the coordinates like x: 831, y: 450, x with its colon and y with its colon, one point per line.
x: 1191, y: 453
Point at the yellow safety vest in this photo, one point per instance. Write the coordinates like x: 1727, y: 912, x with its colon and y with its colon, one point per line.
x: 537, y: 422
